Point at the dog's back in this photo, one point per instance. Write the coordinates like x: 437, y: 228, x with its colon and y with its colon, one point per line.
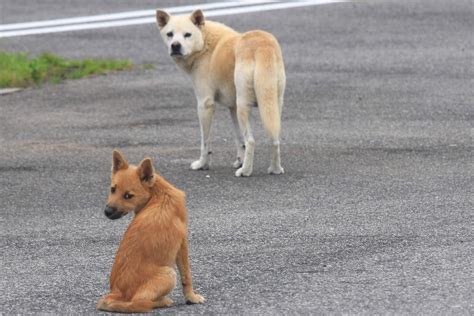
x: 152, y: 239
x: 156, y: 239
x: 236, y: 70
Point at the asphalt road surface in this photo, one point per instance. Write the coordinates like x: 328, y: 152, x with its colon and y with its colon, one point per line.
x: 374, y: 214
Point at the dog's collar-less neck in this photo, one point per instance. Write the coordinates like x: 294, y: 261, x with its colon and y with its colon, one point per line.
x: 189, y: 62
x: 147, y: 205
x: 159, y: 192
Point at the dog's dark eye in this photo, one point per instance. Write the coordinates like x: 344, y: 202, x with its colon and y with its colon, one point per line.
x: 169, y: 34
x: 112, y: 190
x: 127, y: 196
x: 186, y: 35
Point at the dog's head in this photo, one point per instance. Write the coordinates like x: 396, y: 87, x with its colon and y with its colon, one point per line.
x: 181, y: 34
x: 130, y: 189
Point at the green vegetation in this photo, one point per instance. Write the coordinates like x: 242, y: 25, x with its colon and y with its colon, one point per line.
x: 20, y: 70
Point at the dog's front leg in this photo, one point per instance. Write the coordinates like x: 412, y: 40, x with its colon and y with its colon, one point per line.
x: 182, y: 261
x: 206, y: 109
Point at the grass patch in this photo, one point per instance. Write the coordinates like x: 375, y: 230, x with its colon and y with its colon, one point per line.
x: 20, y: 70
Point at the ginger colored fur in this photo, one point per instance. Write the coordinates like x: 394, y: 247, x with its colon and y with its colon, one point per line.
x: 156, y: 239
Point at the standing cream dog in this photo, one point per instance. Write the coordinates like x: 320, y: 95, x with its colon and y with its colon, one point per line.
x: 237, y: 70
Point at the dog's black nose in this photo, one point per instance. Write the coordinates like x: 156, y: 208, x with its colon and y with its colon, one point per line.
x: 176, y: 47
x: 109, y: 211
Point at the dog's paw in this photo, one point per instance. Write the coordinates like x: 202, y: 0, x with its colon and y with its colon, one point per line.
x: 199, y: 165
x: 237, y: 164
x: 275, y: 170
x: 164, y: 302
x: 243, y: 172
x: 194, y: 299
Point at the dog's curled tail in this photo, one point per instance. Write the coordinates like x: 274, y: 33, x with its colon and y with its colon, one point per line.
x: 141, y: 306
x: 267, y: 86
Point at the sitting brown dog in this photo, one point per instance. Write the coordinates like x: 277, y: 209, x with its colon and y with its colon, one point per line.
x: 142, y: 273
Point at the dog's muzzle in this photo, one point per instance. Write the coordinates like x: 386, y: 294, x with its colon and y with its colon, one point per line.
x: 112, y: 212
x: 176, y: 49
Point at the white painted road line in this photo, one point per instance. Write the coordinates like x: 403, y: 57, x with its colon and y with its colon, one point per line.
x: 9, y: 90
x: 124, y: 15
x: 266, y: 6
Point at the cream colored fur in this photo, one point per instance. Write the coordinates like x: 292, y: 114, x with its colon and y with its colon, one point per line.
x: 239, y: 71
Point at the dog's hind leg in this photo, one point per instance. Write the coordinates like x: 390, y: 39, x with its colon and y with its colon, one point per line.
x: 156, y: 288
x: 243, y: 112
x: 243, y: 78
x: 239, y: 140
x: 269, y: 87
x: 149, y: 296
x: 275, y: 163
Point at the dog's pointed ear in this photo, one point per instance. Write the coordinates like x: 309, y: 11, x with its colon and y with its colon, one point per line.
x: 118, y: 161
x: 162, y: 18
x: 146, y: 171
x: 197, y: 17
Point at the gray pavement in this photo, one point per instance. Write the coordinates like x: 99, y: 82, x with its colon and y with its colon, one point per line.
x: 373, y: 215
